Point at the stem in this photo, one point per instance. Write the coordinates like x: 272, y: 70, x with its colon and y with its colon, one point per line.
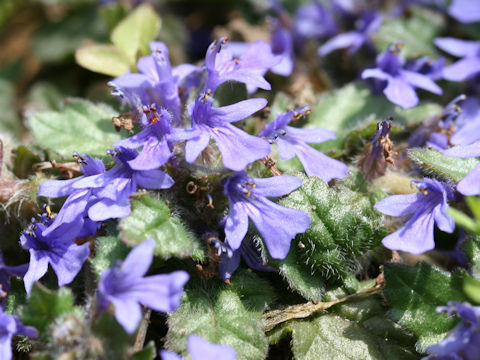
x: 142, y: 331
x: 301, y: 311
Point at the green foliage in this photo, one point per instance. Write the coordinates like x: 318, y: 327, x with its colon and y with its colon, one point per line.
x: 452, y: 168
x: 152, y: 218
x: 357, y: 329
x: 134, y: 33
x: 16, y: 295
x: 103, y: 59
x: 108, y: 249
x: 344, y: 226
x: 471, y: 285
x: 148, y: 353
x: 80, y: 126
x: 115, y: 341
x: 417, y: 32
x: 57, y: 41
x: 223, y: 314
x: 354, y: 107
x: 9, y: 120
x: 414, y: 293
x: 44, y: 306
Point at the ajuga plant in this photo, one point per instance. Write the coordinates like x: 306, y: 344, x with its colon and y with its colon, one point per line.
x: 297, y: 183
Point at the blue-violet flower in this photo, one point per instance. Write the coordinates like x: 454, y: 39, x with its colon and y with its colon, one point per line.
x: 125, y: 286
x: 276, y: 224
x: 465, y: 68
x: 425, y: 208
x: 200, y: 349
x: 399, y: 83
x: 10, y: 326
x: 293, y: 141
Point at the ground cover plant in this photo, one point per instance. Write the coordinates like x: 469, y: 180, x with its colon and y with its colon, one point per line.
x: 239, y: 179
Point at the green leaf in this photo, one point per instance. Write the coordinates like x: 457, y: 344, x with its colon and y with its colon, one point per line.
x: 417, y: 32
x: 16, y: 295
x: 471, y: 248
x: 79, y: 126
x: 356, y: 329
x: 103, y: 59
x: 44, y: 306
x: 223, y: 314
x: 108, y: 249
x: 353, y: 107
x: 152, y: 218
x: 134, y: 33
x: 9, y: 120
x: 44, y: 96
x: 148, y: 353
x: 56, y: 41
x: 344, y: 226
x: 114, y: 340
x: 452, y: 168
x: 471, y: 287
x: 414, y: 293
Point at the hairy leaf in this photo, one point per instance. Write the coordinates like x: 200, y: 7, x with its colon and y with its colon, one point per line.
x: 354, y: 107
x: 134, y: 33
x: 417, y: 32
x: 414, y: 293
x: 344, y: 226
x: 356, y: 329
x: 449, y: 167
x: 108, y: 249
x: 223, y: 314
x: 9, y: 120
x: 152, y: 218
x: 44, y: 306
x: 80, y: 126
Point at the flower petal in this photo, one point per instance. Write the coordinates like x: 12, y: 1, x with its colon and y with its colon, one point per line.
x: 399, y: 205
x: 277, y: 185
x: 345, y: 40
x: 318, y: 164
x: 421, y: 81
x: 462, y: 70
x: 470, y: 184
x: 128, y: 313
x: 401, y: 93
x: 236, y: 225
x: 415, y: 237
x: 238, y: 148
x: 457, y: 47
x: 37, y: 268
x: 196, y: 145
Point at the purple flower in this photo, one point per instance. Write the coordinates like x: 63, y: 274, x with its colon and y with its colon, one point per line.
x: 126, y: 287
x: 200, y: 349
x: 5, y: 273
x: 114, y: 187
x: 427, y: 66
x: 230, y: 260
x: 10, y: 326
x: 248, y: 68
x: 156, y: 138
x: 367, y: 24
x: 72, y: 216
x: 293, y: 141
x: 465, y: 68
x: 426, y: 207
x: 238, y: 148
x: 437, y: 131
x: 157, y: 82
x: 276, y: 224
x: 463, y: 341
x: 399, y: 83
x: 314, y: 21
x: 282, y: 44
x: 56, y: 249
x: 466, y: 11
x: 470, y: 184
x: 468, y: 123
